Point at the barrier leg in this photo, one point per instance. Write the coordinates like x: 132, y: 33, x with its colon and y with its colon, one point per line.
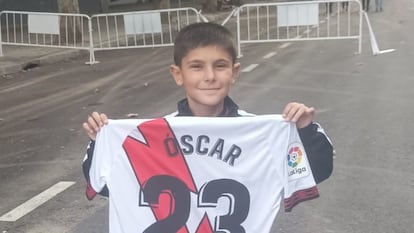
x: 91, y: 48
x: 373, y: 40
x: 1, y: 42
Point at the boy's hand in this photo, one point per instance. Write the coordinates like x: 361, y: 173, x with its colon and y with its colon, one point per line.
x: 298, y: 113
x: 94, y: 123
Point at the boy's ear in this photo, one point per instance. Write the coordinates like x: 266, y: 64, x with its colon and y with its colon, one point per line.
x: 176, y: 73
x: 236, y: 70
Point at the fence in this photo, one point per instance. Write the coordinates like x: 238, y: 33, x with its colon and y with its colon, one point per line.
x: 140, y: 29
x: 46, y: 30
x: 256, y: 23
x: 299, y: 21
x: 99, y: 32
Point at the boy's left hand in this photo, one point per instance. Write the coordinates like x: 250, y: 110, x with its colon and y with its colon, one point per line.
x: 298, y: 113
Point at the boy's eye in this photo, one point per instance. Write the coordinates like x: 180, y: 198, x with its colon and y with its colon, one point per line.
x: 196, y: 66
x: 222, y: 65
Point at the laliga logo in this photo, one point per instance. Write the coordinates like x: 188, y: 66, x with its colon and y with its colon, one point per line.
x: 294, y: 156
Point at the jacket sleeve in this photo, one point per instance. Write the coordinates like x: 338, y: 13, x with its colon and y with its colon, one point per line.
x: 86, y: 166
x: 319, y: 150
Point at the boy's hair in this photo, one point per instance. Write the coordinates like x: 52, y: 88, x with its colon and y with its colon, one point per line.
x: 201, y: 35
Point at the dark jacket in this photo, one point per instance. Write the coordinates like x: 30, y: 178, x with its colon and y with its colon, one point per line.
x: 316, y: 143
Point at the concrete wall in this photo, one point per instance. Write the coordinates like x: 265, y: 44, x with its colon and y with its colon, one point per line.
x: 29, y: 5
x: 85, y: 6
x: 92, y: 6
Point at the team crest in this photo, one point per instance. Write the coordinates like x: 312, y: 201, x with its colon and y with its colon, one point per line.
x: 296, y: 161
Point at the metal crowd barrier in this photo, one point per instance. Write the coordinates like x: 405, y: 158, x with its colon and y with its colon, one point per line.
x: 299, y: 21
x: 140, y: 29
x: 155, y: 28
x: 54, y: 30
x: 256, y: 23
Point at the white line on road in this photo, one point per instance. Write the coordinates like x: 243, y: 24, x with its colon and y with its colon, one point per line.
x: 249, y: 68
x: 269, y: 55
x: 285, y: 45
x: 36, y: 201
x: 322, y: 110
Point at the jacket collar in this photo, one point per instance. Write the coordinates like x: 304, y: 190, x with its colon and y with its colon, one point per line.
x: 230, y: 108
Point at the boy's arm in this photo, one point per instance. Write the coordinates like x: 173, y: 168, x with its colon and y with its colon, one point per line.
x: 319, y: 150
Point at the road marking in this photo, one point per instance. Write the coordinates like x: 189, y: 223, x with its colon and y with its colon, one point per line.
x: 322, y: 110
x: 36, y: 201
x: 249, y: 68
x: 269, y: 55
x: 285, y: 45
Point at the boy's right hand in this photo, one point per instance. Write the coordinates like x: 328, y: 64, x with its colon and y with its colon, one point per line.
x: 94, y: 123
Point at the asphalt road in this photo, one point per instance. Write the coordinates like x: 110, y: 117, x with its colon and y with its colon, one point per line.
x: 364, y: 102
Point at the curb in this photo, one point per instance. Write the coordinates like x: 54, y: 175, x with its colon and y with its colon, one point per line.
x: 17, y: 66
x: 9, y: 69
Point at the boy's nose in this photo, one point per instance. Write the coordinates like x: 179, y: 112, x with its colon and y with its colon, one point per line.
x: 209, y: 74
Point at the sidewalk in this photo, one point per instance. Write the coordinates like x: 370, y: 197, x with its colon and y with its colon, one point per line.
x: 17, y: 58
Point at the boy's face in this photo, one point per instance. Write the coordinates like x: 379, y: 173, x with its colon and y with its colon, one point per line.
x: 206, y: 73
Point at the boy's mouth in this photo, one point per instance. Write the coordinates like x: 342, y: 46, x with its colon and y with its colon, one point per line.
x: 210, y: 89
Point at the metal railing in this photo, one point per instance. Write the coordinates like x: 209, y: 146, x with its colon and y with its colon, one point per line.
x: 140, y: 29
x: 255, y: 23
x: 55, y: 30
x: 299, y: 21
x: 155, y: 28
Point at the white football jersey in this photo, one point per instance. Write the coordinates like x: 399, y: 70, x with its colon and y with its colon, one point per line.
x: 199, y: 174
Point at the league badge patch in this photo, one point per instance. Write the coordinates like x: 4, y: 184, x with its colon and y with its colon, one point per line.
x: 296, y: 160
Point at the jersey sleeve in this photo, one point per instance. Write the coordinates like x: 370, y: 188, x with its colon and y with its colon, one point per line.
x: 102, y: 160
x: 299, y: 182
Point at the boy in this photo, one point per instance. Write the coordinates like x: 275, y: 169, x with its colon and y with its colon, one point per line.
x: 205, y: 66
